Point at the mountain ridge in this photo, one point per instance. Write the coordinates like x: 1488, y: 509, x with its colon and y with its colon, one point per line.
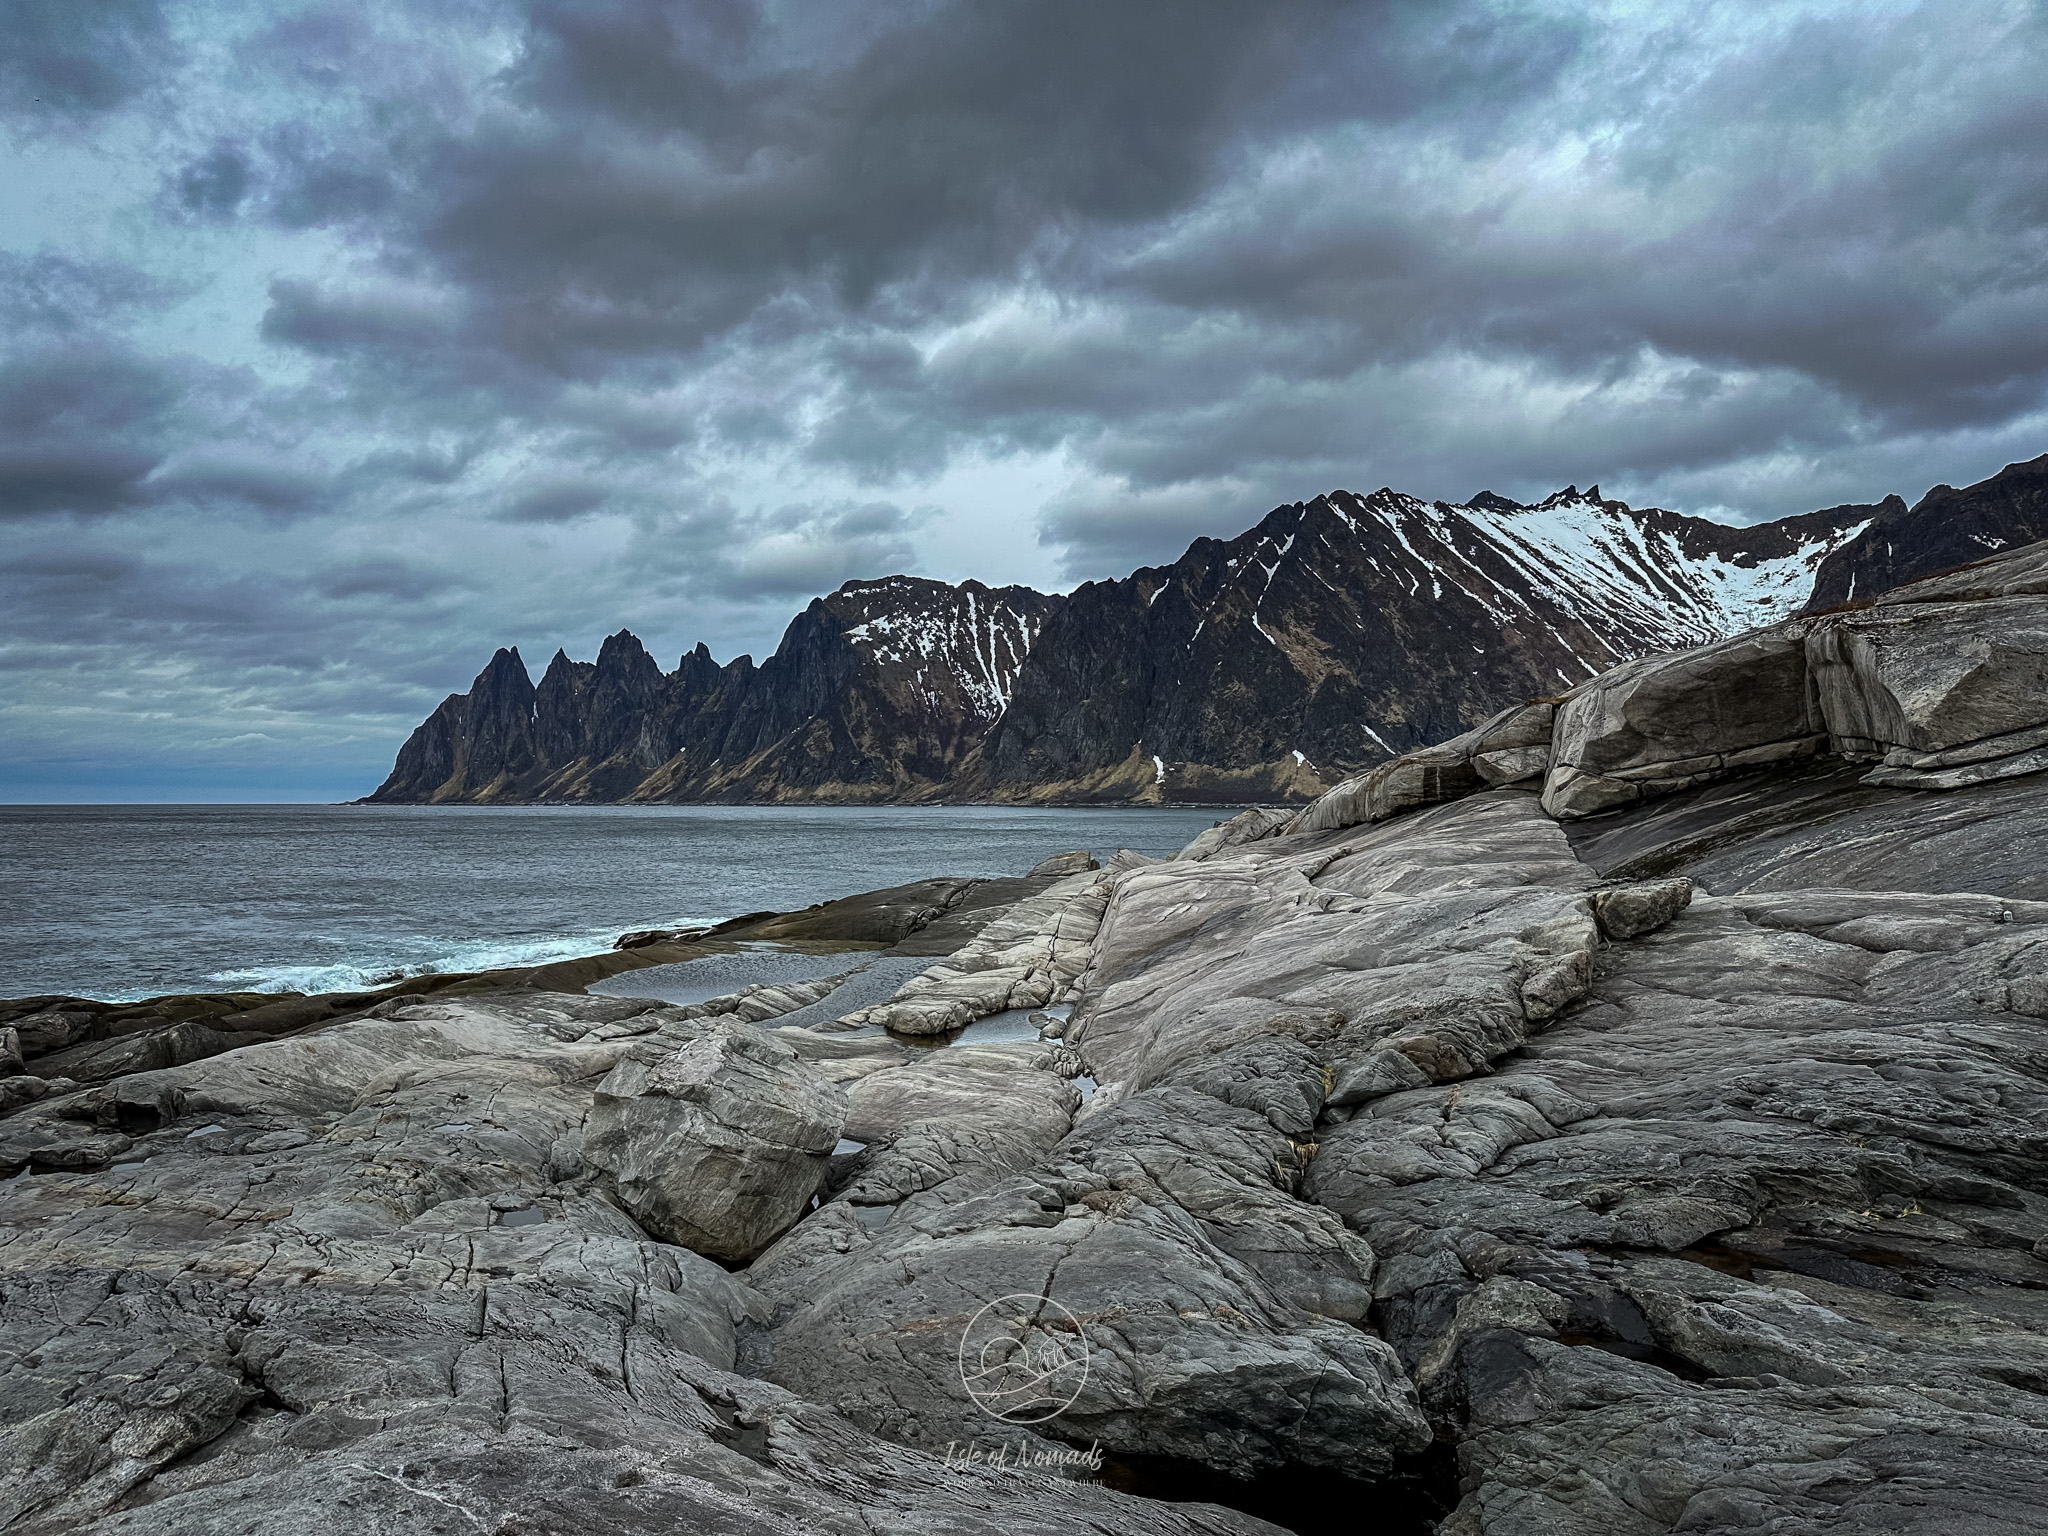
x: 1331, y: 635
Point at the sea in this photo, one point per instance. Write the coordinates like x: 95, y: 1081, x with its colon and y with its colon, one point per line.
x: 123, y: 902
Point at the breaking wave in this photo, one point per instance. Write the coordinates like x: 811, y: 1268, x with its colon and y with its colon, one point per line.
x: 421, y: 956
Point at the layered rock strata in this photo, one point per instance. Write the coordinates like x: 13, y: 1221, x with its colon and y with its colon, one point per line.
x: 1671, y: 1157
x: 364, y: 1281
x: 1942, y: 683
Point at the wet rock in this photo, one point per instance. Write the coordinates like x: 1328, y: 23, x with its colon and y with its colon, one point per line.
x: 641, y: 938
x: 51, y: 1029
x: 718, y: 1146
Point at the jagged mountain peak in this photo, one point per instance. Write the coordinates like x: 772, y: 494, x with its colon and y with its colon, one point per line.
x: 1335, y: 632
x: 1487, y: 501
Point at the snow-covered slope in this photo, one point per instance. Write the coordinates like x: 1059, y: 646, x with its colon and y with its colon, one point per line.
x: 942, y: 641
x: 1349, y: 628
x: 1647, y: 579
x: 1337, y: 632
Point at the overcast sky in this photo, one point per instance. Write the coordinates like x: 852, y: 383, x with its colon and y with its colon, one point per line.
x: 346, y: 342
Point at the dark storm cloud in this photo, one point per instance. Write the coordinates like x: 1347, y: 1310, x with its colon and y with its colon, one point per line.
x: 263, y: 484
x: 364, y: 339
x: 554, y: 501
x: 802, y: 551
x: 76, y: 59
x: 649, y: 200
x: 396, y: 580
x: 213, y: 187
x: 77, y: 426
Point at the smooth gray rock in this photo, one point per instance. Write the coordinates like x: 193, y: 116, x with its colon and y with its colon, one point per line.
x: 1946, y: 694
x: 1027, y: 957
x: 1245, y: 827
x: 1511, y: 747
x: 1221, y: 1312
x: 1342, y: 944
x: 318, y: 1317
x: 1931, y: 677
x: 1818, y: 1108
x: 1665, y: 722
x: 1514, y: 746
x: 1427, y: 777
x: 1062, y: 864
x: 719, y: 1145
x: 1816, y: 824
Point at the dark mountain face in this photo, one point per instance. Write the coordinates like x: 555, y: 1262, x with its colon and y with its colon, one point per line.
x: 1944, y: 529
x: 474, y: 741
x: 1335, y: 634
x: 1346, y: 629
x: 877, y: 692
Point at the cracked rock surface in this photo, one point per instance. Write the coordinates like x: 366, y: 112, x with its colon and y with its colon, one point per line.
x: 362, y: 1281
x: 1666, y: 1143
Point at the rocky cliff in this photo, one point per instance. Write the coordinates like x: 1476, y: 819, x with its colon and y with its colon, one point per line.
x: 1335, y: 634
x: 877, y: 692
x: 1944, y: 529
x: 1345, y: 629
x: 1629, y: 1115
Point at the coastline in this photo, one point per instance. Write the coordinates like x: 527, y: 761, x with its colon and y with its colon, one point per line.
x: 1542, y: 1121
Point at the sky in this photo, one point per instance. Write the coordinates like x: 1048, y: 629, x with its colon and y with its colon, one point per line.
x: 343, y: 343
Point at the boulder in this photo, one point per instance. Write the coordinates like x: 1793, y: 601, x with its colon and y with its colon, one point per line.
x: 10, y: 1053
x: 641, y: 938
x: 1514, y: 746
x: 1428, y: 777
x: 718, y: 1146
x: 1061, y: 865
x: 1943, y: 693
x: 1509, y: 748
x: 1245, y: 827
x: 51, y: 1029
x: 1665, y: 722
x: 1630, y: 911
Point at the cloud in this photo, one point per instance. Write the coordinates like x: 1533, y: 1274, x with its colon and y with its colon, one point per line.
x: 78, y: 429
x: 554, y: 501
x: 77, y: 61
x: 259, y: 482
x: 213, y: 187
x: 347, y: 343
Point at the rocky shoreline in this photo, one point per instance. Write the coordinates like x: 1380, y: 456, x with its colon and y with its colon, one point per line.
x: 1628, y: 1116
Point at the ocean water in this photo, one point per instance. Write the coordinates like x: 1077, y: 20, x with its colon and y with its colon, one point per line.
x: 124, y: 902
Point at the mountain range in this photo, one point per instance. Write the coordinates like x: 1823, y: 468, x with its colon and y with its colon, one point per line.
x: 1336, y: 633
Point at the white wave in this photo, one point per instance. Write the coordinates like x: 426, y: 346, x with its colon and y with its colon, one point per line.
x: 421, y: 955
